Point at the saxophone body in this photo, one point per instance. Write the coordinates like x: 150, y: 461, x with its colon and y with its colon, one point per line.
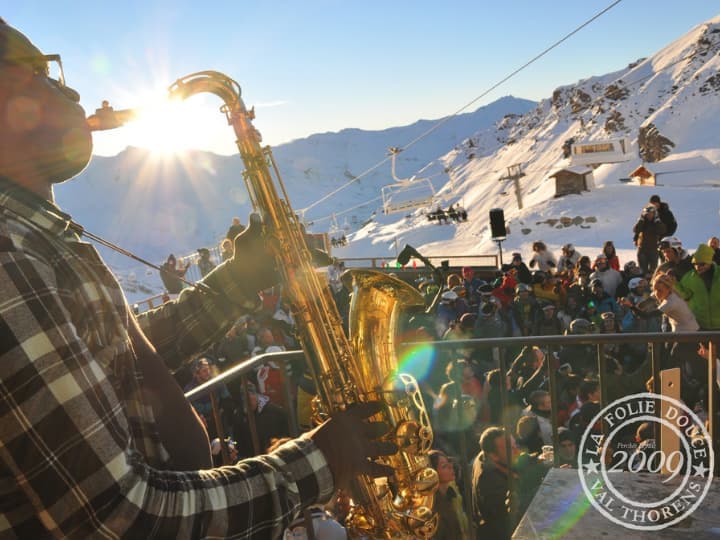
x: 346, y: 369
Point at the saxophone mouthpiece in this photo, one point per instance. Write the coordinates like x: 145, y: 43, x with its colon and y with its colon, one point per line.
x: 108, y: 118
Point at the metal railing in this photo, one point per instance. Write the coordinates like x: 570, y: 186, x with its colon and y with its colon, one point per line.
x: 551, y: 343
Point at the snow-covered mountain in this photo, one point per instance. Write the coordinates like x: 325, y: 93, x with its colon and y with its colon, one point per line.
x: 666, y: 105
x: 676, y: 91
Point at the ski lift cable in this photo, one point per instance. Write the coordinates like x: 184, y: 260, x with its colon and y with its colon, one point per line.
x: 483, y: 94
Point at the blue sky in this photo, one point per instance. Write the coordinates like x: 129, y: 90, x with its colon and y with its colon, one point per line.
x: 325, y: 65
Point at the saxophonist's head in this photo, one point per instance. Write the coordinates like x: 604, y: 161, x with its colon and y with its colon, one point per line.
x: 44, y: 138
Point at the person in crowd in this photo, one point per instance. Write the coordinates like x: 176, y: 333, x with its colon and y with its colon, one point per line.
x: 520, y: 270
x: 569, y: 258
x: 601, y: 298
x: 589, y: 390
x: 542, y: 258
x: 714, y: 242
x: 235, y: 345
x: 609, y: 277
x: 446, y: 312
x: 584, y: 262
x: 567, y: 449
x: 202, y: 373
x: 495, y: 509
x: 226, y: 249
x: 489, y: 323
x: 630, y: 270
x: 647, y: 232
x: 471, y: 283
x: 547, y: 322
x: 205, y: 262
x: 504, y: 291
x: 235, y: 228
x: 498, y: 414
x: 170, y: 272
x: 527, y: 434
x: 539, y: 406
x: 665, y: 214
x: 454, y: 411
x: 270, y: 375
x: 569, y: 312
x: 448, y: 502
x: 678, y: 262
x: 678, y: 312
x: 547, y: 288
x: 271, y: 421
x: 612, y: 259
x: 579, y: 288
x: 701, y: 288
x: 523, y: 310
x: 681, y: 319
x: 106, y: 442
x: 581, y: 358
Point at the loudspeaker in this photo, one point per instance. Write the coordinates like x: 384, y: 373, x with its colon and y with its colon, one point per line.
x: 497, y: 223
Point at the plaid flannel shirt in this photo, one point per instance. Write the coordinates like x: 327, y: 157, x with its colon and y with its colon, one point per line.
x: 79, y: 452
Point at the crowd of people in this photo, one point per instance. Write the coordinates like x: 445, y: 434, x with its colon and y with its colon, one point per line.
x: 570, y: 293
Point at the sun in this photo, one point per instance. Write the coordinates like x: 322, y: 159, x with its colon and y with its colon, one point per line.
x: 167, y: 127
x: 171, y: 127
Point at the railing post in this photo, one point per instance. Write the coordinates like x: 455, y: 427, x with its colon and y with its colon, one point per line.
x: 711, y: 392
x: 219, y: 428
x: 552, y: 382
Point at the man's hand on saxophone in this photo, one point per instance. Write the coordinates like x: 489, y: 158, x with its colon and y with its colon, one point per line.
x: 349, y: 443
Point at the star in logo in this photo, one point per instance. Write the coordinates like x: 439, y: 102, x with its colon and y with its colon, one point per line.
x: 700, y: 470
x: 592, y: 467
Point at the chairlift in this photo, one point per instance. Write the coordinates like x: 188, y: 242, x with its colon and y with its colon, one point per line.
x: 337, y: 233
x: 407, y: 193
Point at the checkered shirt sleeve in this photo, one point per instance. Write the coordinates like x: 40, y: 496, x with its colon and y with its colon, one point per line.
x: 69, y: 460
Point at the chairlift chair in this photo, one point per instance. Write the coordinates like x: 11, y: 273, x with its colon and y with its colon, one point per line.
x: 407, y: 193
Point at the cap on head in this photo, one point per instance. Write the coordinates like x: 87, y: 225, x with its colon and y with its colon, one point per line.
x: 15, y: 46
x: 703, y: 254
x: 630, y: 266
x: 670, y: 242
x: 580, y: 326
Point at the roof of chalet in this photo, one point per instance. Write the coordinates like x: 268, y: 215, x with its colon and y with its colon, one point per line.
x: 580, y: 170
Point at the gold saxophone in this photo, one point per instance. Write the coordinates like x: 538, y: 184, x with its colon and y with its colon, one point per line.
x: 346, y: 370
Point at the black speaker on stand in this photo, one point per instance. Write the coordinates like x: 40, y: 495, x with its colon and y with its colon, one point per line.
x: 497, y: 228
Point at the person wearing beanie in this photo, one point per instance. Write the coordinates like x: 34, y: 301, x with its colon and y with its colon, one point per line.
x: 701, y: 288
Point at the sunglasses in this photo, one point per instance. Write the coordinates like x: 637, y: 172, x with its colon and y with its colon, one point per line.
x: 49, y: 66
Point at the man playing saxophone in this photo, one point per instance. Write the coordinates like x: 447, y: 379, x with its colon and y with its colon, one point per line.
x: 97, y: 438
